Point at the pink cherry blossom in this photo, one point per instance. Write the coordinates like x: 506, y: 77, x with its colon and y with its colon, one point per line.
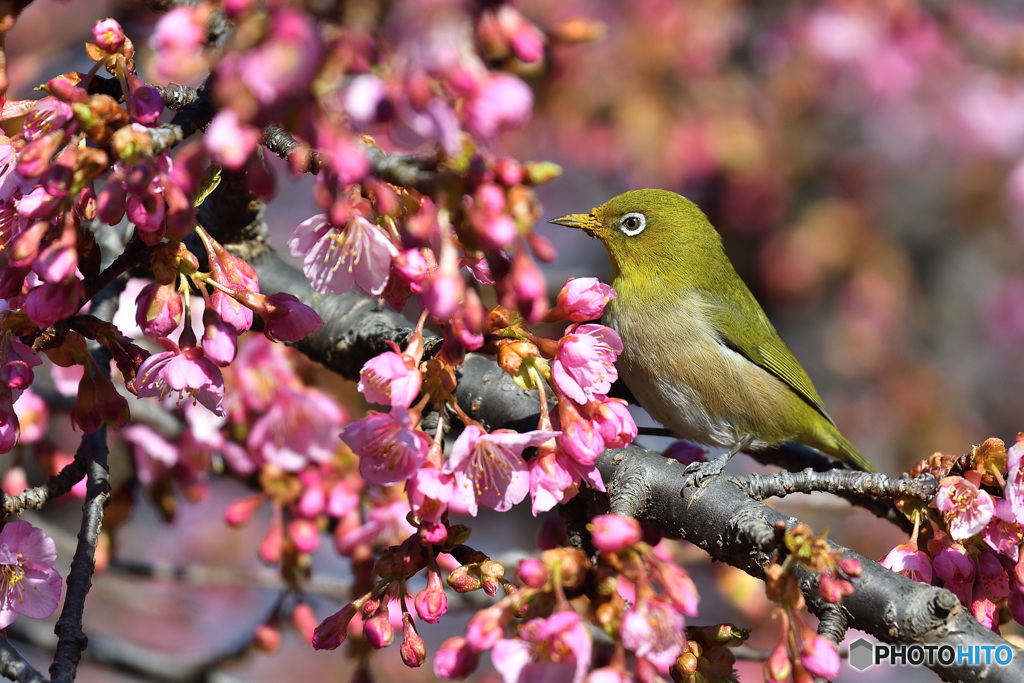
x: 965, y: 507
x: 285, y: 318
x: 907, y: 560
x: 819, y: 656
x: 300, y: 426
x: 335, y: 259
x: 33, y: 416
x: 612, y: 533
x: 389, y: 449
x: 653, y: 628
x: 178, y: 39
x: 108, y: 35
x: 489, y: 468
x: 430, y: 490
x: 1003, y: 533
x: 284, y: 64
x: 229, y: 141
x: 556, y: 648
x: 555, y: 478
x: 952, y: 564
x: 584, y: 368
x: 390, y: 379
x: 455, y: 659
x: 1014, y: 490
x: 613, y: 421
x: 185, y: 371
x: 582, y: 299
x: 29, y: 584
x: 499, y: 102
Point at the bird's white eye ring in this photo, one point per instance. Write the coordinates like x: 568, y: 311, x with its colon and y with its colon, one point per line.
x: 633, y: 224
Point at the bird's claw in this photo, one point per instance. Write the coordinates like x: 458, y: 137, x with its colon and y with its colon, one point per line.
x: 697, y: 473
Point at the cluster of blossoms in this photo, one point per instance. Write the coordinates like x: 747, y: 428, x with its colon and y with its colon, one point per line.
x: 969, y: 538
x: 801, y: 654
x: 487, y: 468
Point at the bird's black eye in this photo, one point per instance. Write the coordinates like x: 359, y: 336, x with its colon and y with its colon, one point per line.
x: 633, y: 224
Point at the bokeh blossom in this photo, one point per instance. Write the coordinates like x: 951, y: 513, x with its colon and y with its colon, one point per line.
x: 335, y: 259
x: 29, y: 584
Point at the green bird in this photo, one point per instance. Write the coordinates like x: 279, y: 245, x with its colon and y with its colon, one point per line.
x: 699, y: 353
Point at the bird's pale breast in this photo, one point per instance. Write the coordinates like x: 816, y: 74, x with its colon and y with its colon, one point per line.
x: 679, y: 371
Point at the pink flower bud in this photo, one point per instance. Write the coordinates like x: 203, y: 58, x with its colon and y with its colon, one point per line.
x: 333, y: 630
x: 778, y: 667
x: 146, y: 105
x: 158, y: 309
x: 614, y: 423
x: 455, y: 659
x: 110, y: 202
x: 432, y: 603
x: 486, y: 628
x: 820, y: 657
x: 304, y: 534
x: 312, y: 502
x: 581, y: 299
x: 108, y: 35
x: 529, y: 290
x: 288, y: 319
x: 14, y: 481
x: 16, y: 374
x: 533, y: 572
x: 241, y: 511
x: 508, y: 171
x: 612, y: 533
x: 267, y: 638
x: 220, y: 341
x: 413, y: 649
x: 378, y: 630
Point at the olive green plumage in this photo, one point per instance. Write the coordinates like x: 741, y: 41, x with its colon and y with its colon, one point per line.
x: 699, y: 352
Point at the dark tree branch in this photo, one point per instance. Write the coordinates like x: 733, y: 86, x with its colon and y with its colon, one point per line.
x: 14, y: 667
x: 71, y: 639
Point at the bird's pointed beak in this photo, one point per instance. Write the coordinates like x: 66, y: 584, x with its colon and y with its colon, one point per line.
x: 584, y: 221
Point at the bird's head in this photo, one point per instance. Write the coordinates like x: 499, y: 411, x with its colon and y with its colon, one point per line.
x: 649, y: 231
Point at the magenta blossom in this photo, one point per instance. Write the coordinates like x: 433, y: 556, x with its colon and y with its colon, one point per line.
x: 653, y: 628
x: 300, y: 427
x: 178, y: 39
x: 553, y: 649
x: 285, y: 318
x: 229, y: 141
x: 612, y: 533
x: 907, y: 560
x: 499, y: 102
x: 29, y: 584
x: 335, y: 259
x: 581, y: 299
x: 489, y: 468
x: 1003, y: 533
x: 584, y: 368
x: 108, y: 35
x: 389, y: 449
x: 819, y: 656
x: 555, y: 478
x: 390, y: 379
x: 965, y: 507
x: 185, y: 371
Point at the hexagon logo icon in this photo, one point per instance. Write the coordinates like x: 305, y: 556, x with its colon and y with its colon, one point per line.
x: 861, y: 654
